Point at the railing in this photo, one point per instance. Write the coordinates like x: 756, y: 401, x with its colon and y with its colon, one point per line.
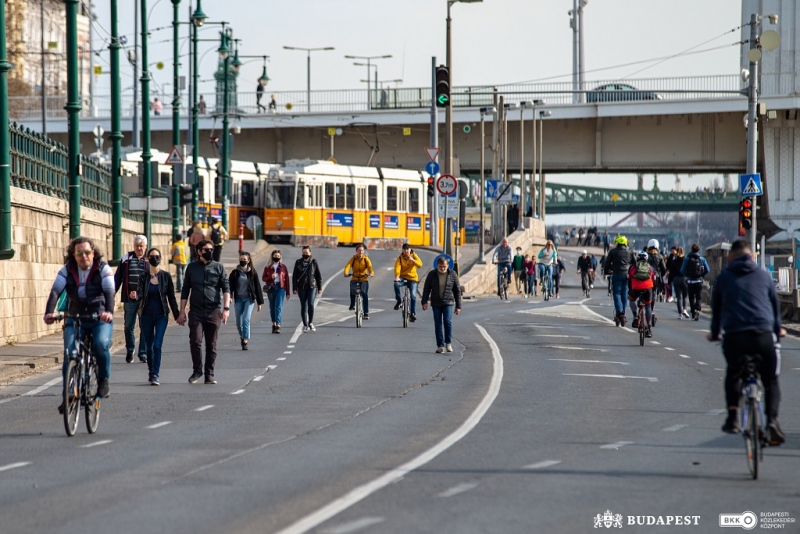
x: 27, y: 108
x: 40, y: 164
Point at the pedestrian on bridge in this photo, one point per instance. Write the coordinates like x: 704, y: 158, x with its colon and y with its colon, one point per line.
x: 307, y: 284
x: 126, y: 280
x: 695, y: 268
x: 443, y: 290
x: 246, y: 293
x: 276, y: 285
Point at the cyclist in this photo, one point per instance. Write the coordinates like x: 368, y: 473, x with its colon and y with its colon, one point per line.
x: 502, y: 258
x: 585, y: 270
x: 744, y: 304
x: 656, y: 260
x: 89, y: 283
x: 617, y: 262
x: 362, y: 270
x: 546, y: 259
x: 641, y: 285
x: 405, y: 274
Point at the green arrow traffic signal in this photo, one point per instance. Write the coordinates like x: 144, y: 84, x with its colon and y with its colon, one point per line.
x: 442, y: 86
x: 442, y: 100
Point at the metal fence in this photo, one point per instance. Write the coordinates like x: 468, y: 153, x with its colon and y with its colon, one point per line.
x: 27, y: 108
x: 40, y: 164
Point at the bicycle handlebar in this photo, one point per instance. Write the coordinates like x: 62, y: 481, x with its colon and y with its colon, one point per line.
x: 78, y: 316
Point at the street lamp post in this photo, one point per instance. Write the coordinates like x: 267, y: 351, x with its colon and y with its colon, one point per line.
x: 369, y: 63
x: 198, y: 19
x: 6, y: 252
x: 73, y: 108
x: 176, y: 117
x: 484, y: 112
x: 542, y: 114
x: 224, y: 53
x: 308, y: 69
x: 146, y: 154
x: 116, y: 137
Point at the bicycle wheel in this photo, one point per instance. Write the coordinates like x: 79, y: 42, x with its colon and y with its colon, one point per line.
x: 92, y: 401
x: 359, y: 311
x: 641, y: 332
x: 505, y: 290
x: 72, y: 398
x: 751, y: 441
x: 406, y: 308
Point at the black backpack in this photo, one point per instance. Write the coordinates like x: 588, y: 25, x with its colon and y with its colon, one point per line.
x: 216, y: 235
x: 694, y: 267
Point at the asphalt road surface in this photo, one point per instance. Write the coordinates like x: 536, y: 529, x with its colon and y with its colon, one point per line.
x: 543, y: 417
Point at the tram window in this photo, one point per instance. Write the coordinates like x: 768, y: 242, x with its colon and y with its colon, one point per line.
x: 247, y: 194
x: 329, y: 195
x: 279, y: 195
x: 361, y: 198
x: 339, y: 196
x: 317, y: 195
x: 372, y: 195
x: 402, y: 204
x: 301, y: 195
x: 391, y: 199
x: 414, y: 197
x: 350, y: 194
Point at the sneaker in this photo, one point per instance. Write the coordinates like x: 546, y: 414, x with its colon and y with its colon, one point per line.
x: 731, y: 426
x: 366, y: 317
x: 102, y: 388
x: 312, y: 327
x: 680, y: 317
x: 413, y: 318
x: 655, y: 319
x: 622, y: 319
x: 635, y: 323
x: 352, y: 308
x: 142, y: 359
x: 195, y: 377
x: 244, y: 346
x: 686, y: 313
x: 273, y: 329
x: 648, y: 333
x: 591, y: 286
x: 277, y: 329
x: 305, y: 329
x: 558, y: 296
x: 154, y: 381
x: 440, y: 350
x: 62, y: 408
x: 129, y: 357
x: 671, y: 299
x: 398, y: 304
x: 211, y: 380
x: 696, y: 316
x: 775, y: 436
x: 616, y: 320
x: 449, y: 347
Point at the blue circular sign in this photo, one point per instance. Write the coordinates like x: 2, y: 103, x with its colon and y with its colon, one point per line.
x: 449, y: 260
x: 432, y: 168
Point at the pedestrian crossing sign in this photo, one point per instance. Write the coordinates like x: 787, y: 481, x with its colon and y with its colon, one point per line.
x: 750, y: 185
x: 174, y: 157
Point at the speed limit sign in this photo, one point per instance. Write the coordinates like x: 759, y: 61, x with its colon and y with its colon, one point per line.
x: 446, y: 184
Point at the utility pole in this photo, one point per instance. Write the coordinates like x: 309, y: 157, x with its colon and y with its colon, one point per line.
x: 6, y: 252
x: 44, y: 73
x: 752, y: 124
x: 434, y: 140
x: 135, y: 60
x: 90, y: 13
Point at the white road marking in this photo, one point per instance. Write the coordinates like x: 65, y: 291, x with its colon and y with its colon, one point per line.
x: 258, y: 378
x: 33, y: 391
x: 289, y: 346
x: 280, y: 359
x: 287, y: 352
x: 354, y: 526
x: 297, y: 332
x: 655, y: 343
x: 702, y: 363
x: 543, y: 464
x: 96, y: 443
x: 668, y: 348
x: 159, y: 425
x: 271, y: 367
x: 650, y: 378
x: 560, y: 335
x: 716, y: 412
x: 606, y: 319
x: 616, y: 445
x: 14, y: 466
x: 674, y: 428
x: 204, y: 408
x: 365, y: 490
x: 718, y: 369
x: 585, y: 361
x: 701, y: 331
x: 455, y: 490
x: 574, y: 348
x: 684, y: 356
x: 237, y: 392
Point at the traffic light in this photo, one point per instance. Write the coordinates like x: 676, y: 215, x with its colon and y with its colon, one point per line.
x: 431, y: 191
x: 442, y: 86
x: 745, y: 215
x: 186, y: 194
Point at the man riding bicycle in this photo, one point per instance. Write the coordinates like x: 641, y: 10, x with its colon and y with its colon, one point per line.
x: 547, y: 258
x: 89, y: 283
x: 586, y: 270
x: 617, y: 263
x: 502, y: 258
x: 745, y: 305
x: 641, y: 284
x: 362, y: 270
x: 405, y: 274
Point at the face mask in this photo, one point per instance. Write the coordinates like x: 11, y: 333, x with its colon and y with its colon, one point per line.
x: 243, y: 263
x: 276, y: 258
x: 306, y: 256
x: 208, y: 255
x: 154, y: 261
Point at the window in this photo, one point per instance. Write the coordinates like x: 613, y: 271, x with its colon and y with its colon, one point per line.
x: 372, y: 196
x: 414, y: 197
x: 329, y: 195
x: 361, y: 198
x: 315, y: 199
x: 402, y: 203
x: 350, y: 194
x: 279, y: 195
x: 301, y: 195
x: 340, y: 196
x: 391, y: 199
x: 247, y: 195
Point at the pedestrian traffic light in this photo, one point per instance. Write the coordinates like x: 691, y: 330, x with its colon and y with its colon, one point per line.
x: 442, y: 86
x: 745, y: 215
x: 186, y: 194
x: 431, y: 191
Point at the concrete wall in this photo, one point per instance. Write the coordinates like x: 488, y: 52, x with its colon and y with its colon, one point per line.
x: 40, y: 235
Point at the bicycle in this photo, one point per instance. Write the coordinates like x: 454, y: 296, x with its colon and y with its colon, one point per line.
x: 547, y: 280
x: 355, y: 287
x: 405, y: 306
x: 502, y: 284
x: 751, y: 408
x: 80, y: 379
x: 644, y: 325
x: 586, y: 283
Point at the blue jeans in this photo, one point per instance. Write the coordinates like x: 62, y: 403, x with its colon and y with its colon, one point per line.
x: 364, y: 295
x: 443, y: 316
x: 619, y: 288
x: 276, y: 297
x: 307, y: 296
x: 153, y: 329
x: 131, y: 309
x: 101, y: 341
x: 546, y: 271
x: 530, y: 284
x: 179, y: 270
x: 412, y: 288
x: 244, y: 308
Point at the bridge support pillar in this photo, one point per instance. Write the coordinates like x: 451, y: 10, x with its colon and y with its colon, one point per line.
x: 781, y: 170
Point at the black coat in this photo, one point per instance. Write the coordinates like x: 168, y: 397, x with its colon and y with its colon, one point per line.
x: 165, y: 288
x: 253, y: 285
x: 306, y: 277
x: 452, y: 290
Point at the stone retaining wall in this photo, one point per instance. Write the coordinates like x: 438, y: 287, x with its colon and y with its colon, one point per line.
x: 384, y: 243
x: 315, y: 241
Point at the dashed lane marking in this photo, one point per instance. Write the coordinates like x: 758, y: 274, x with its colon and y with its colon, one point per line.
x: 287, y: 352
x: 280, y: 359
x: 159, y: 425
x: 258, y: 378
x: 560, y: 335
x: 237, y: 392
x: 455, y: 490
x: 716, y: 412
x: 271, y: 367
x: 204, y: 408
x: 616, y: 445
x: 668, y: 348
x: 14, y: 466
x: 96, y: 443
x: 289, y: 346
x: 561, y: 347
x: 702, y: 363
x: 585, y: 361
x: 34, y: 391
x: 354, y: 526
x: 674, y: 428
x: 655, y: 343
x: 543, y: 464
x: 648, y: 378
x: 684, y: 356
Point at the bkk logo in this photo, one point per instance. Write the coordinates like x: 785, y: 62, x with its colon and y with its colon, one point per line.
x: 612, y: 520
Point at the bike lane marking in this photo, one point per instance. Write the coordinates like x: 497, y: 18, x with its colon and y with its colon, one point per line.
x: 585, y: 361
x: 649, y: 378
x: 14, y: 466
x: 34, y: 391
x: 159, y: 425
x: 543, y: 464
x: 96, y: 443
x: 616, y: 445
x: 455, y: 490
x: 354, y: 526
x: 674, y: 428
x: 684, y: 356
x: 204, y: 408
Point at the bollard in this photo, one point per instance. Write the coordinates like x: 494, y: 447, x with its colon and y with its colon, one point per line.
x: 241, y: 237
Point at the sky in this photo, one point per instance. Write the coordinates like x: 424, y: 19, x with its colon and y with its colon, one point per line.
x: 494, y: 42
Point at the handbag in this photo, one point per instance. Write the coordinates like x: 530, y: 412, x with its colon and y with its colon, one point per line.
x: 63, y: 302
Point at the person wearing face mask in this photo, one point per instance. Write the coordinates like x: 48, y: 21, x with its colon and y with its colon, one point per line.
x: 130, y: 268
x: 156, y: 297
x: 246, y: 293
x: 443, y: 290
x: 276, y: 284
x: 307, y: 283
x: 207, y: 283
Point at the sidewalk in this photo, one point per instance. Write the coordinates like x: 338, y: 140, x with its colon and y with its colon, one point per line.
x: 23, y: 359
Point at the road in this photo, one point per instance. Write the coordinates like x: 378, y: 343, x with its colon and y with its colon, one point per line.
x: 544, y: 416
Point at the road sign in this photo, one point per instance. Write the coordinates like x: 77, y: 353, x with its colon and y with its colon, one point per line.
x: 447, y: 184
x: 432, y: 168
x: 98, y: 131
x: 750, y: 185
x: 445, y: 256
x: 174, y: 157
x: 491, y: 188
x: 433, y: 152
x: 452, y: 207
x: 156, y: 204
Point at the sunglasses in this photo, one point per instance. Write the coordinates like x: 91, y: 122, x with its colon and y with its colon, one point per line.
x: 207, y: 250
x: 84, y: 252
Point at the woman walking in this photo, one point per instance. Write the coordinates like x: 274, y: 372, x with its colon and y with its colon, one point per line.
x: 444, y: 291
x: 678, y: 282
x: 246, y: 293
x: 276, y: 284
x: 529, y: 267
x: 307, y: 284
x: 156, y: 296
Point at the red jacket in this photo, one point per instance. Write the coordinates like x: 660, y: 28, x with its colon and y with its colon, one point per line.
x: 283, y: 277
x: 634, y: 284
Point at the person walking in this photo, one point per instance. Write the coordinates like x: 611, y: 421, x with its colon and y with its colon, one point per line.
x: 678, y: 282
x: 606, y: 242
x: 529, y: 266
x: 443, y: 290
x: 157, y: 107
x: 259, y: 96
x: 180, y: 258
x: 206, y: 282
x: 558, y: 268
x: 276, y: 285
x: 201, y: 105
x: 155, y: 298
x: 361, y: 267
x: 306, y: 284
x: 695, y: 268
x: 217, y: 234
x: 246, y: 293
x: 519, y: 277
x: 126, y: 280
x: 195, y: 235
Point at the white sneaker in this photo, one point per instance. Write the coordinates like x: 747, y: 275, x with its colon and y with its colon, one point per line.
x: 440, y: 350
x: 305, y: 329
x: 671, y: 299
x: 686, y: 314
x: 449, y: 347
x: 591, y: 286
x: 680, y: 317
x: 312, y: 327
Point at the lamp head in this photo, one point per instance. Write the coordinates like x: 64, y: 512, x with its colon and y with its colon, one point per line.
x: 198, y: 17
x: 745, y: 74
x: 488, y: 110
x: 545, y: 113
x: 773, y: 19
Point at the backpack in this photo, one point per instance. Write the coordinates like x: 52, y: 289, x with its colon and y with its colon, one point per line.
x: 642, y: 270
x: 216, y: 235
x: 694, y: 267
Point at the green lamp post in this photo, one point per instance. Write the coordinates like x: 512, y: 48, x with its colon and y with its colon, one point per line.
x: 176, y: 115
x: 224, y: 53
x: 73, y: 108
x: 6, y: 252
x: 146, y: 154
x: 116, y: 137
x: 198, y: 19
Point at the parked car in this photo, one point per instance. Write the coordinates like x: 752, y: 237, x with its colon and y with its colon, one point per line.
x: 619, y: 92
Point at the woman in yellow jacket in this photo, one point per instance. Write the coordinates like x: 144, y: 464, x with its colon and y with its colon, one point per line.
x: 362, y: 270
x: 405, y: 273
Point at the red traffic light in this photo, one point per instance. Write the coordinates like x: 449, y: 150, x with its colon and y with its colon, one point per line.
x: 430, y: 180
x: 747, y: 204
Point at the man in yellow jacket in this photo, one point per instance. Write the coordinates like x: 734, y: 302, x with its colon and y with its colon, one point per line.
x: 362, y: 270
x: 405, y: 273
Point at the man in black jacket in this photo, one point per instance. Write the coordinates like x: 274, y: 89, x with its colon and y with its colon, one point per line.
x: 126, y: 279
x: 617, y: 263
x: 744, y: 304
x: 444, y: 291
x: 307, y: 284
